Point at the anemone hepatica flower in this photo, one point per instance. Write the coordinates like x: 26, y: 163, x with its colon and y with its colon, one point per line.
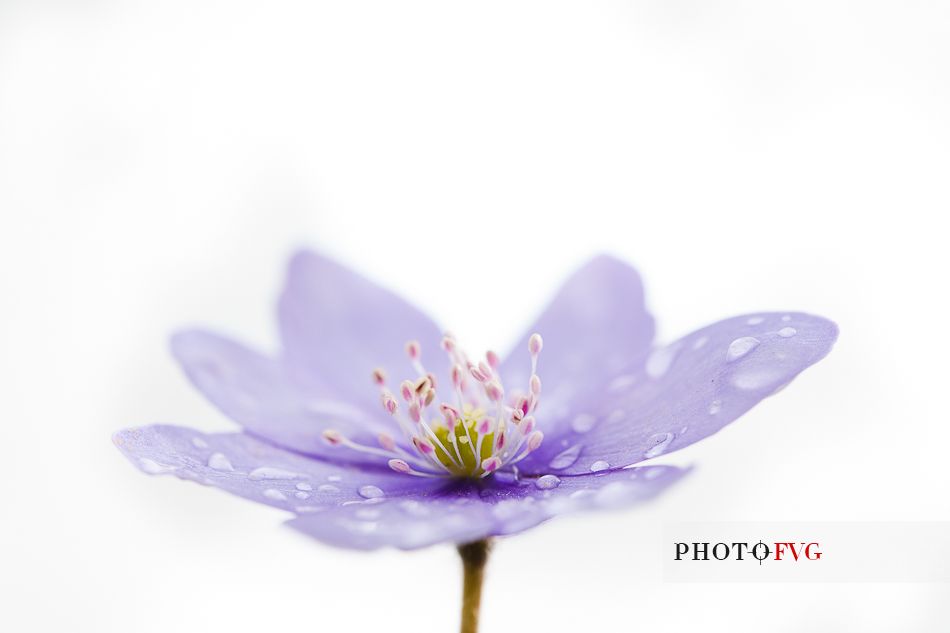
x: 375, y: 428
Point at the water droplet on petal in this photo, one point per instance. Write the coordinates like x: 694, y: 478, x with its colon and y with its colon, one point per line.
x: 714, y: 407
x: 219, y: 461
x: 199, y: 443
x: 334, y: 478
x: 152, y: 467
x: 304, y: 486
x: 700, y: 342
x: 787, y: 332
x: 414, y: 508
x: 740, y: 347
x: 327, y: 488
x: 370, y: 492
x: 660, y: 442
x: 267, y: 472
x: 565, y: 458
x: 547, y: 482
x: 757, y: 379
x: 787, y: 318
x: 583, y: 423
x: 276, y: 495
x: 620, y: 383
x: 660, y: 360
x: 617, y: 415
x: 300, y: 494
x: 755, y: 320
x: 598, y: 466
x: 367, y: 514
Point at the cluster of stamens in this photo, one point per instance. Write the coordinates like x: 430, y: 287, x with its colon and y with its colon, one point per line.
x: 478, y: 433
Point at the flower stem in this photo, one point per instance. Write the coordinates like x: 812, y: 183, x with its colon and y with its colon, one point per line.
x: 474, y: 556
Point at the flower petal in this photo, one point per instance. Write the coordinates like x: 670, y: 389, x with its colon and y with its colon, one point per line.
x: 340, y: 326
x: 685, y: 391
x: 596, y: 324
x: 465, y: 513
x: 256, y: 470
x: 262, y: 395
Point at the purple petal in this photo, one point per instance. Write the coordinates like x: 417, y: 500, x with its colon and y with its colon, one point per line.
x: 685, y: 391
x: 340, y: 326
x: 462, y: 514
x: 258, y: 471
x: 596, y: 324
x: 262, y: 395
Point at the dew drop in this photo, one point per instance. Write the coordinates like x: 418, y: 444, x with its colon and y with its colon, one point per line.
x: 199, y: 443
x: 583, y: 423
x: 660, y: 442
x: 740, y: 347
x: 787, y: 332
x: 714, y: 407
x: 152, y: 467
x: 334, y: 478
x: 598, y: 466
x: 370, y: 492
x: 755, y: 320
x: 617, y: 415
x: 787, y: 318
x: 700, y: 342
x: 547, y: 482
x: 219, y: 461
x: 300, y: 494
x: 660, y: 360
x: 276, y: 495
x: 758, y: 379
x: 327, y: 488
x: 620, y: 383
x: 304, y: 486
x: 414, y: 508
x: 269, y: 473
x: 367, y: 514
x: 565, y: 458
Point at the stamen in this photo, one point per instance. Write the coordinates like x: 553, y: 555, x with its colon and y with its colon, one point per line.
x: 534, y: 348
x: 423, y: 446
x: 386, y: 441
x: 534, y: 440
x: 490, y: 465
x: 333, y: 437
x: 535, y: 343
x: 399, y: 465
x: 389, y: 403
x: 441, y: 447
x: 494, y: 391
x: 535, y: 384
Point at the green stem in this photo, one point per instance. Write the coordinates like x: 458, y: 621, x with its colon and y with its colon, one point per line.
x: 474, y: 556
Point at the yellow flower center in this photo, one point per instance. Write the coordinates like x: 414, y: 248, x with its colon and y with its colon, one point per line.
x: 463, y: 443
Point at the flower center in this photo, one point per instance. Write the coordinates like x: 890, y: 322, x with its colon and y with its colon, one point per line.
x: 479, y: 431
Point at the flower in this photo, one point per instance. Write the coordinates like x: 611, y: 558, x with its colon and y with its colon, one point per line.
x: 376, y: 429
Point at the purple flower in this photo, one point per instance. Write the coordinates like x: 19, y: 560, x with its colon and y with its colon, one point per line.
x: 371, y: 441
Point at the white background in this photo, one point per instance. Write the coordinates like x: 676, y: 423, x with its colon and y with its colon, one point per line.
x: 159, y: 161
